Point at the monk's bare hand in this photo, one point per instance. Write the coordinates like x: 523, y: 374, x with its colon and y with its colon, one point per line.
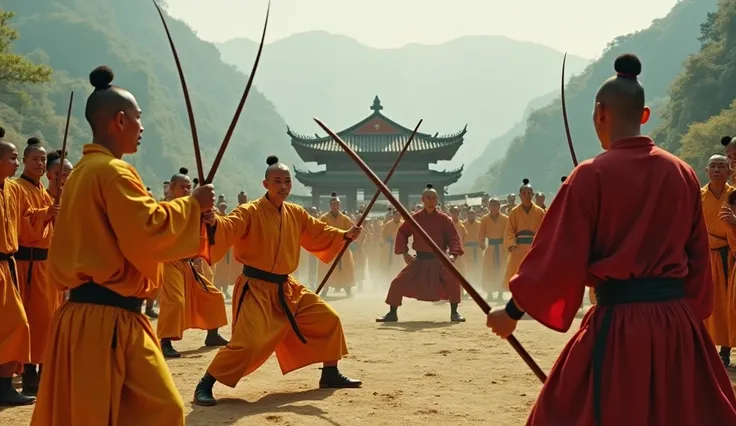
x: 500, y: 323
x: 208, y: 217
x: 408, y: 258
x: 727, y: 215
x: 453, y: 258
x: 205, y: 196
x: 512, y: 249
x: 482, y: 247
x: 52, y: 212
x: 353, y: 233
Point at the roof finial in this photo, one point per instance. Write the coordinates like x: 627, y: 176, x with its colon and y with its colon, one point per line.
x: 376, y: 104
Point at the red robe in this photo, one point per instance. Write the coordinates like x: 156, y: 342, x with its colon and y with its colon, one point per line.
x: 426, y: 279
x: 632, y: 212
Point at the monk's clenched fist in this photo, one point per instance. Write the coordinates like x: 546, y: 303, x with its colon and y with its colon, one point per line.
x: 205, y: 196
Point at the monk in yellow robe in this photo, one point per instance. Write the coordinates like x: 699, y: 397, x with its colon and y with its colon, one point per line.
x: 56, y: 173
x: 390, y: 263
x: 522, y: 225
x: 463, y: 232
x: 39, y: 300
x: 227, y: 269
x: 271, y: 310
x: 471, y: 246
x: 15, y: 345
x: 188, y: 300
x: 491, y: 237
x: 539, y: 200
x: 343, y: 277
x: 721, y: 324
x: 510, y: 204
x: 103, y: 364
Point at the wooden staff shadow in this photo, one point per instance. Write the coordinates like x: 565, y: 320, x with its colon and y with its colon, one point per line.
x: 413, y: 326
x: 231, y: 410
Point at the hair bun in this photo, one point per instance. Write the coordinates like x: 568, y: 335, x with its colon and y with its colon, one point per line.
x: 563, y: 179
x: 525, y: 181
x: 628, y: 65
x: 430, y: 186
x: 33, y: 141
x: 271, y: 160
x: 195, y: 181
x: 334, y: 194
x: 101, y: 77
x: 726, y: 140
x: 183, y: 170
x: 148, y: 188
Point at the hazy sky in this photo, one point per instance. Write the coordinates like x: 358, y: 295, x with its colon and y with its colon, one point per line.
x: 582, y: 27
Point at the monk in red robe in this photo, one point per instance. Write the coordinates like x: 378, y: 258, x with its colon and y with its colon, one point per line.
x: 642, y: 356
x: 424, y: 278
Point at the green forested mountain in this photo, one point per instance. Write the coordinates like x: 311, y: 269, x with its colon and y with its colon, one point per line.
x: 74, y: 36
x: 702, y: 106
x: 484, y: 81
x: 542, y: 155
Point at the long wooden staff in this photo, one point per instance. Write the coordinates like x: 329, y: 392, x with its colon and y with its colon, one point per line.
x: 446, y: 262
x: 190, y: 111
x: 370, y: 206
x: 62, y: 157
x: 564, y: 114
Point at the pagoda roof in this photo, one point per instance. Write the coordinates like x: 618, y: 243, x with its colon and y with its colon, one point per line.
x: 376, y: 134
x: 330, y: 178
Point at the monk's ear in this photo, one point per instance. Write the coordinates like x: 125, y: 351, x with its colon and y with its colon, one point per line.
x: 265, y: 184
x: 598, y: 113
x: 645, y: 115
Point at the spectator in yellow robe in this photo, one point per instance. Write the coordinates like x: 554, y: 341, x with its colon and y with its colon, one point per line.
x: 539, y: 200
x: 721, y: 324
x: 188, y: 300
x: 103, y: 364
x: 15, y: 345
x: 390, y: 263
x: 226, y: 270
x: 39, y: 300
x: 463, y: 232
x: 491, y: 235
x: 473, y: 255
x: 343, y: 277
x: 271, y: 310
x: 522, y: 225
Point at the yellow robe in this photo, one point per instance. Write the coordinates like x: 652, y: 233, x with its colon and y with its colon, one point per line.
x: 39, y: 299
x: 463, y: 232
x: 103, y: 365
x: 473, y: 255
x: 491, y: 234
x: 15, y: 345
x: 188, y: 300
x: 390, y: 263
x: 344, y: 274
x: 722, y: 323
x: 268, y: 239
x: 520, y: 230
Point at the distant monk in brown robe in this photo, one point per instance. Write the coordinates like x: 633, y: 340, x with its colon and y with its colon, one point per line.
x: 424, y: 278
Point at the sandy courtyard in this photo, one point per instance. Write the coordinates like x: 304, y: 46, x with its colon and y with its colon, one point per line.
x: 421, y: 370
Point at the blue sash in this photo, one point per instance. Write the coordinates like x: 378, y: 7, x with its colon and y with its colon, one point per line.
x: 495, y: 245
x: 524, y: 237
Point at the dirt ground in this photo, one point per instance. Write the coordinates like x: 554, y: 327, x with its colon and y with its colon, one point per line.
x: 423, y: 369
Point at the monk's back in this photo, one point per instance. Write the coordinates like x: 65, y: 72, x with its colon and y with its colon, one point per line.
x: 646, y: 202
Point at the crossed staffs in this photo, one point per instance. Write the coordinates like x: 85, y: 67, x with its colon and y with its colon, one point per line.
x: 190, y: 111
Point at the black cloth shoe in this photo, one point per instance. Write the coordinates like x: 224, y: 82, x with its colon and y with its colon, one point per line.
x: 214, y: 339
x: 389, y: 317
x: 203, y: 392
x: 168, y: 349
x: 11, y: 397
x: 333, y: 378
x: 150, y: 313
x: 30, y: 379
x: 456, y: 317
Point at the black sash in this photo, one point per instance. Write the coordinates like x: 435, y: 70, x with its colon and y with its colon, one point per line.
x: 197, y: 277
x: 620, y: 292
x: 5, y: 257
x: 426, y: 255
x: 30, y: 254
x: 280, y: 280
x: 96, y: 294
x: 724, y: 253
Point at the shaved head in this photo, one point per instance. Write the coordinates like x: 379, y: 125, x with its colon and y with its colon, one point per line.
x: 6, y: 148
x: 717, y: 158
x: 104, y: 105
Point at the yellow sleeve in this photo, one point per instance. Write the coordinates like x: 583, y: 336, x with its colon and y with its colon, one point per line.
x: 319, y: 238
x: 229, y: 229
x: 148, y: 231
x: 510, y: 237
x: 33, y: 223
x: 482, y: 233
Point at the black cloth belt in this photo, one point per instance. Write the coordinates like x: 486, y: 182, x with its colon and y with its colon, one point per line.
x: 426, y: 255
x: 30, y: 254
x: 10, y: 258
x: 725, y: 253
x: 96, y: 294
x: 621, y: 292
x: 280, y: 280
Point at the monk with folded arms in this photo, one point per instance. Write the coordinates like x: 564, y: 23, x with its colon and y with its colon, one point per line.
x: 103, y: 364
x: 271, y: 310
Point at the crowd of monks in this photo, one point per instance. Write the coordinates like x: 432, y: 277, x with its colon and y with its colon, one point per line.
x: 77, y: 277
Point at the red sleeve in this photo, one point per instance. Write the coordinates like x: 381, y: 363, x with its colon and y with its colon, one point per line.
x: 454, y: 242
x: 698, y: 281
x: 401, y: 245
x: 551, y: 280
